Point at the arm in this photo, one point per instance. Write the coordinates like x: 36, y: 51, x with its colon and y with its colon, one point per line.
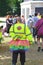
x: 29, y: 35
x: 8, y: 22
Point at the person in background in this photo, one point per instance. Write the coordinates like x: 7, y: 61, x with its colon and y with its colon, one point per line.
x: 39, y: 15
x: 9, y: 22
x: 15, y: 18
x: 30, y: 23
x: 35, y: 19
x: 39, y: 28
x: 22, y: 19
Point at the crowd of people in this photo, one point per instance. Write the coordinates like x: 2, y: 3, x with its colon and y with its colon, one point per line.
x: 34, y: 23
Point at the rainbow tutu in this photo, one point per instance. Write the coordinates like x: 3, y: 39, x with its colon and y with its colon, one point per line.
x: 19, y: 45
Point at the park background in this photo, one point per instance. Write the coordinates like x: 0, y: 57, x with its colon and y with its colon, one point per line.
x: 32, y: 56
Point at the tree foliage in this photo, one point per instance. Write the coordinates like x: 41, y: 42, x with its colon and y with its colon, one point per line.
x: 15, y: 6
x: 4, y: 8
x: 12, y: 6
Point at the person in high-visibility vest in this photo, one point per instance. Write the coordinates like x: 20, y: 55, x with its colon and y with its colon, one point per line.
x: 1, y: 27
x: 21, y: 40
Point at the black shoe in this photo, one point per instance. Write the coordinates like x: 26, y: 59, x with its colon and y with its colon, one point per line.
x: 13, y: 63
x: 39, y: 48
x: 42, y: 49
x: 22, y: 63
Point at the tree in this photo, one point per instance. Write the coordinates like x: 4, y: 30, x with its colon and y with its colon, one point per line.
x: 12, y: 6
x: 15, y: 5
x: 4, y: 8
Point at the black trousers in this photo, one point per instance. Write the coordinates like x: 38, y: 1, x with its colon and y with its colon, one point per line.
x: 34, y: 32
x: 15, y: 56
x: 8, y: 27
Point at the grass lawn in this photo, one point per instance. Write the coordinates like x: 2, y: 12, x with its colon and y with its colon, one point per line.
x: 32, y: 56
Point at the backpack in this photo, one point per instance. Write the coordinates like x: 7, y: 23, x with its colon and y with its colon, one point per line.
x: 30, y: 23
